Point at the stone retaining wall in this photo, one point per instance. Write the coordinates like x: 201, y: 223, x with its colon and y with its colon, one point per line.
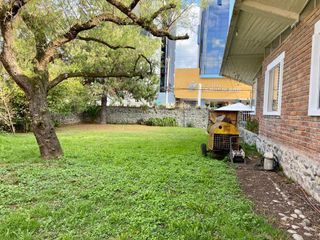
x: 129, y: 115
x: 67, y: 119
x: 298, y: 167
x: 132, y: 115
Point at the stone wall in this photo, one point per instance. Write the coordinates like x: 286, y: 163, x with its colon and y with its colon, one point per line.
x: 67, y: 119
x: 296, y: 165
x: 130, y: 115
x: 249, y: 137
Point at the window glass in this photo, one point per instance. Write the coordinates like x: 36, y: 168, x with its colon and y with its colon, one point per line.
x: 274, y: 86
x: 213, y: 37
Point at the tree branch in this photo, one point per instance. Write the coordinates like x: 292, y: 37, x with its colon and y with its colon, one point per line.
x: 147, y: 60
x: 73, y: 32
x: 161, y: 10
x: 133, y: 19
x: 117, y: 47
x: 39, y: 35
x: 62, y: 77
x: 147, y: 24
x: 181, y: 13
x: 8, y: 56
x: 9, y: 14
x: 134, y: 4
x: 88, y: 39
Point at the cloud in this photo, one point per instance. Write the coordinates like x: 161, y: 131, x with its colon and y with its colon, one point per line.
x: 187, y: 51
x: 214, y: 59
x: 218, y: 43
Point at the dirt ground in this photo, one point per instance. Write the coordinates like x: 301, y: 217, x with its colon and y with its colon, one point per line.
x: 281, y: 200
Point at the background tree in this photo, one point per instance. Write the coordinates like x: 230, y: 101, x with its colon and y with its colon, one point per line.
x: 7, y: 113
x: 119, y: 89
x: 43, y: 45
x: 126, y: 57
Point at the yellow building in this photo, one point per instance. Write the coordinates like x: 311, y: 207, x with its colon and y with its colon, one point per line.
x: 189, y: 86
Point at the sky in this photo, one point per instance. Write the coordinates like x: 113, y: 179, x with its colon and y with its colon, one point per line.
x: 187, y: 51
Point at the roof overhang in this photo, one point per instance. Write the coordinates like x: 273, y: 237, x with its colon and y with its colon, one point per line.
x: 254, y: 25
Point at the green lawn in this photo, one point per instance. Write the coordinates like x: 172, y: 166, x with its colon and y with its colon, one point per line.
x: 122, y: 182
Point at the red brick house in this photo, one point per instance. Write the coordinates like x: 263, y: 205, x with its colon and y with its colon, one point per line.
x: 275, y: 46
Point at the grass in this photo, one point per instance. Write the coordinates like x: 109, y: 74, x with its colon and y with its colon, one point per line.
x: 251, y: 150
x: 122, y: 182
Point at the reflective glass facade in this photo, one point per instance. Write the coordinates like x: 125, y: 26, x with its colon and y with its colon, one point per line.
x: 213, y: 36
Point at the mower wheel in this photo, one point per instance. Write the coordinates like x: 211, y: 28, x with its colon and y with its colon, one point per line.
x: 204, y: 149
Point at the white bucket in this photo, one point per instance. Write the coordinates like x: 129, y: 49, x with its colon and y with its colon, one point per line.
x: 268, y: 164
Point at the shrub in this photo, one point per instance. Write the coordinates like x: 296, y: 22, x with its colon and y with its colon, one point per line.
x: 163, y: 122
x: 56, y: 123
x: 140, y: 121
x: 145, y: 107
x: 253, y: 125
x: 190, y: 125
x: 92, y: 112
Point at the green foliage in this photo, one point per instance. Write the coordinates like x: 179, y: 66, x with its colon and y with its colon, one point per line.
x: 253, y: 125
x: 145, y: 107
x: 163, y: 122
x: 132, y: 183
x: 68, y: 97
x: 250, y: 150
x: 20, y: 105
x: 190, y: 125
x: 7, y: 113
x: 17, y: 102
x: 56, y: 123
x: 92, y: 111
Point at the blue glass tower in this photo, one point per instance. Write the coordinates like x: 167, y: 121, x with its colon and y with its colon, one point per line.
x: 213, y: 37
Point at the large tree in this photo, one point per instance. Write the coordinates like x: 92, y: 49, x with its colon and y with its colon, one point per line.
x: 37, y: 34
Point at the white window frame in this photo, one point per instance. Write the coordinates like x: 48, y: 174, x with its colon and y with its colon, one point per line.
x: 314, y: 92
x: 275, y: 62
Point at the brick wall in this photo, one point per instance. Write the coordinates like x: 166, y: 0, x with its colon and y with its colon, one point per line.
x: 294, y: 128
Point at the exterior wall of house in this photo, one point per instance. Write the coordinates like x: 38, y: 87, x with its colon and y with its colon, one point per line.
x: 294, y: 134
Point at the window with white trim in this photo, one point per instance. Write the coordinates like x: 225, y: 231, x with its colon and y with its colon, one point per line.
x: 273, y: 87
x: 314, y: 93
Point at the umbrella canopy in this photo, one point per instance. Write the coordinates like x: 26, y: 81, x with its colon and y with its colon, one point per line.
x: 237, y: 107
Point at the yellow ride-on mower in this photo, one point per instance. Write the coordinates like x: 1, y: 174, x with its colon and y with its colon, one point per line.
x: 223, y: 136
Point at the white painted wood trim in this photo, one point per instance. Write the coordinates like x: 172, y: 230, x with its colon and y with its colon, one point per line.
x: 279, y: 59
x: 314, y: 91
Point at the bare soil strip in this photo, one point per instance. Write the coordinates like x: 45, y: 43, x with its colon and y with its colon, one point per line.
x: 285, y: 204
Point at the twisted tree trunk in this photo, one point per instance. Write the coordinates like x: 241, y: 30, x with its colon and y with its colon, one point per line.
x: 103, y: 115
x: 42, y: 124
